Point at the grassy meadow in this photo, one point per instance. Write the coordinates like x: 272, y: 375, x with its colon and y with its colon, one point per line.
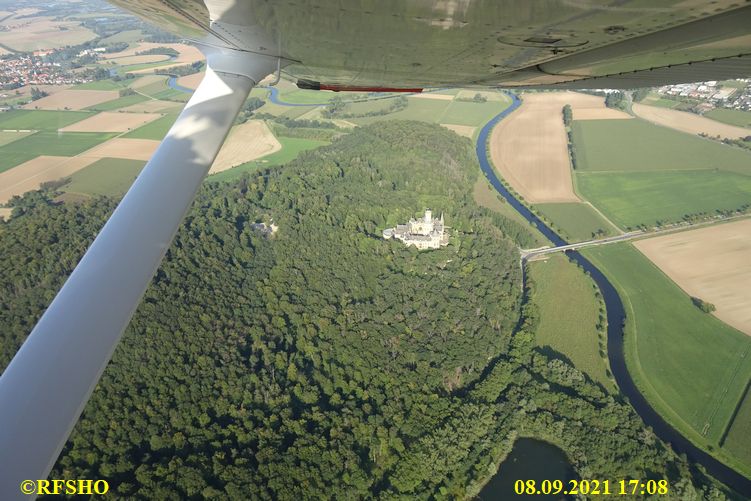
x: 569, y: 314
x: 118, y: 103
x: 732, y: 117
x: 40, y: 119
x: 487, y: 197
x: 49, y: 143
x: 637, y: 145
x: 737, y: 441
x: 690, y: 366
x: 577, y: 222
x: 106, y: 176
x: 154, y: 130
x: 633, y: 198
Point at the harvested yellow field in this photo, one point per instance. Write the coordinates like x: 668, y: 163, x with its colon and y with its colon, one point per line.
x: 529, y: 147
x: 688, y: 122
x: 152, y: 106
x: 30, y: 175
x: 25, y: 91
x: 712, y: 264
x: 462, y: 130
x: 191, y: 81
x: 72, y: 99
x: 111, y: 122
x: 146, y: 58
x: 121, y: 147
x: 5, y: 212
x: 246, y: 142
x: 433, y: 95
x: 42, y: 32
x: 601, y: 113
x: 146, y: 80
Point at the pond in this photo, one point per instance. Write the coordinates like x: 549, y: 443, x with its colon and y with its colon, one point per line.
x: 529, y: 460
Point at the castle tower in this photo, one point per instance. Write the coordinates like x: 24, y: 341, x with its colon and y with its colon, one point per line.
x: 428, y: 215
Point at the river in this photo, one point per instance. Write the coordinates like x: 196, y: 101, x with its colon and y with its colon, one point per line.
x: 616, y: 316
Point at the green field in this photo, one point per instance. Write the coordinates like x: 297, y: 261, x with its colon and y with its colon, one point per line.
x: 118, y: 103
x: 637, y: 145
x: 690, y: 366
x: 49, y: 143
x: 656, y: 100
x: 291, y: 148
x: 40, y: 120
x: 576, y: 221
x: 9, y: 137
x: 469, y: 113
x: 103, y: 85
x: 425, y: 110
x: 732, y: 117
x: 636, y: 198
x: 487, y: 197
x: 737, y: 441
x: 154, y: 130
x: 107, y: 176
x: 569, y: 314
x: 124, y: 36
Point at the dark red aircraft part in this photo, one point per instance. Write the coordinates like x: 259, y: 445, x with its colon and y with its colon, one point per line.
x: 312, y: 85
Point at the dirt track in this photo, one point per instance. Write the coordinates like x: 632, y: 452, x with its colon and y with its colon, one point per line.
x: 688, y: 122
x: 712, y: 264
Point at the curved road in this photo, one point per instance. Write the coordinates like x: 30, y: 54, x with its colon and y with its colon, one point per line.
x: 613, y: 305
x: 616, y: 317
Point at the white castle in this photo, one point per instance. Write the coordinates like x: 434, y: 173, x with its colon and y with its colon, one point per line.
x: 423, y: 233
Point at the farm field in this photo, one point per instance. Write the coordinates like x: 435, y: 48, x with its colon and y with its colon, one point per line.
x: 529, y: 148
x: 690, y: 366
x: 49, y: 143
x: 246, y: 142
x: 577, y: 221
x: 690, y: 123
x: 39, y: 120
x: 153, y: 106
x: 72, y: 99
x: 487, y: 197
x: 111, y: 122
x: 291, y: 148
x: 30, y: 175
x: 710, y: 263
x: 736, y: 441
x: 106, y: 176
x: 610, y: 145
x: 42, y: 32
x: 122, y: 147
x: 119, y: 103
x: 8, y: 136
x: 462, y: 130
x: 154, y: 130
x: 733, y: 117
x: 191, y: 81
x: 630, y: 199
x: 569, y: 314
x: 102, y: 85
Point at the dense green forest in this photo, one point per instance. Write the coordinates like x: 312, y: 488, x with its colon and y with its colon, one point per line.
x: 323, y: 361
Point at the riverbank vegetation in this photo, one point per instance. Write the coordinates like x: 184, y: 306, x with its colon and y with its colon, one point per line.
x: 323, y: 361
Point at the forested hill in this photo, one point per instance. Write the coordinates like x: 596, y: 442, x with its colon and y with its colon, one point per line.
x: 322, y: 361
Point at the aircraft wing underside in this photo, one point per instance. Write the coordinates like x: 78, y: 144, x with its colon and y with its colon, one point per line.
x: 510, y: 43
